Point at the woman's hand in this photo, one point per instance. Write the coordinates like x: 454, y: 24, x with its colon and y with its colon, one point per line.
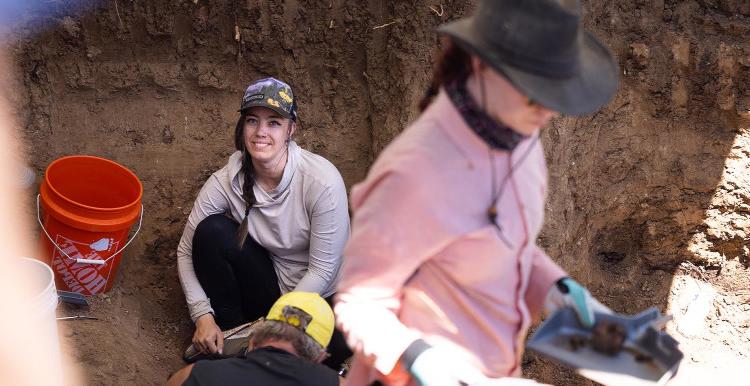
x: 569, y: 293
x: 208, y: 337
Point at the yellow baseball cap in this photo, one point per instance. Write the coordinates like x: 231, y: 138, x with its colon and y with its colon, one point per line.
x: 307, y: 311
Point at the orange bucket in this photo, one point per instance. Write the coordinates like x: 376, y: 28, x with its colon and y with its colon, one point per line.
x: 89, y: 205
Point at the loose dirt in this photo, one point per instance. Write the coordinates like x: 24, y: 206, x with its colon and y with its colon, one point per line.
x: 649, y: 199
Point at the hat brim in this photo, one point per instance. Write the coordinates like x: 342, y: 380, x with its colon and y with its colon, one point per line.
x: 275, y: 109
x: 584, y: 93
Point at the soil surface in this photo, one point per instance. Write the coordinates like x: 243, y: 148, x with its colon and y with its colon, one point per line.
x: 649, y: 199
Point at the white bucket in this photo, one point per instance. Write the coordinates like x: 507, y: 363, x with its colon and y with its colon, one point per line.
x: 42, y: 308
x: 45, y: 301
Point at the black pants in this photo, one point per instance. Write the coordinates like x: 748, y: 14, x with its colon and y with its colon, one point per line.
x: 241, y: 282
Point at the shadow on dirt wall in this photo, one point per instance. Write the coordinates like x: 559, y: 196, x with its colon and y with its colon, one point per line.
x: 156, y: 85
x: 632, y: 186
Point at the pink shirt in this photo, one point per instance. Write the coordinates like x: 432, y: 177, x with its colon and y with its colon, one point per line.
x: 424, y: 261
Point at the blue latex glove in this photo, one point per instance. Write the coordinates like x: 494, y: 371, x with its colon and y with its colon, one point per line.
x: 569, y: 293
x: 438, y: 367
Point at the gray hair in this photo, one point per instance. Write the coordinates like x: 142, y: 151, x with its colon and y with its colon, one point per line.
x: 267, y: 330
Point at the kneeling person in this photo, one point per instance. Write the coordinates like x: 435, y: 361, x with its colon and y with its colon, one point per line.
x: 284, y: 349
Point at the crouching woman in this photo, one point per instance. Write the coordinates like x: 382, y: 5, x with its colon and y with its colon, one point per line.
x: 274, y: 219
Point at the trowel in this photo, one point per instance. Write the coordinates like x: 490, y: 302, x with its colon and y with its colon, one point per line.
x: 617, y: 350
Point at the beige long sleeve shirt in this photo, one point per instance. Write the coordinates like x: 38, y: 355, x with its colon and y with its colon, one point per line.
x: 303, y: 222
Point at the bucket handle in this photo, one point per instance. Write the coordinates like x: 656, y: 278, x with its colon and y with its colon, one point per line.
x: 87, y: 261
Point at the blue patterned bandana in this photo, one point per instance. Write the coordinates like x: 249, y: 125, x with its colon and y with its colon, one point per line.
x: 495, y: 134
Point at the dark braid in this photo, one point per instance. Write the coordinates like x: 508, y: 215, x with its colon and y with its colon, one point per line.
x: 247, y: 186
x: 453, y: 62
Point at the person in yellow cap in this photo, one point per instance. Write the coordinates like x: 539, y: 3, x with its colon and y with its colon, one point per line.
x: 285, y: 348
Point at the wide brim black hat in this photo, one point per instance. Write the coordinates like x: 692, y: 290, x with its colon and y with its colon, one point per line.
x: 584, y: 90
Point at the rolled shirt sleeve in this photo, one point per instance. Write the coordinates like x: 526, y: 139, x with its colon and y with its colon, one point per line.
x: 544, y: 273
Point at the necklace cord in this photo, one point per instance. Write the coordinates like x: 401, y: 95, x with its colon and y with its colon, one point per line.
x: 497, y: 194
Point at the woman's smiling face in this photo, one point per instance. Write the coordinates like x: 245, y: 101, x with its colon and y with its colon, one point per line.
x: 266, y: 133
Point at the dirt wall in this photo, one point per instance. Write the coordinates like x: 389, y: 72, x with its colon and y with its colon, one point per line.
x: 653, y: 190
x: 655, y: 179
x: 155, y: 85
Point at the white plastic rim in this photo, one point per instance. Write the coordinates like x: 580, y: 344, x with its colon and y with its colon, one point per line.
x: 46, y: 300
x: 42, y: 308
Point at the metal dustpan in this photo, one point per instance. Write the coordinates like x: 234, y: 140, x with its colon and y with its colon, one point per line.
x: 72, y: 298
x: 618, y: 350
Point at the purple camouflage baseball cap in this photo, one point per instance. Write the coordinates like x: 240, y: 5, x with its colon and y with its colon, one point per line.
x: 273, y: 94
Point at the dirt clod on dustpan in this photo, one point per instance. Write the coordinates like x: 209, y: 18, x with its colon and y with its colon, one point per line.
x: 618, y: 350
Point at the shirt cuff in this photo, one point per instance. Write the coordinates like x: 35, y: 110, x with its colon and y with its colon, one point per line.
x: 412, y: 352
x: 199, y: 309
